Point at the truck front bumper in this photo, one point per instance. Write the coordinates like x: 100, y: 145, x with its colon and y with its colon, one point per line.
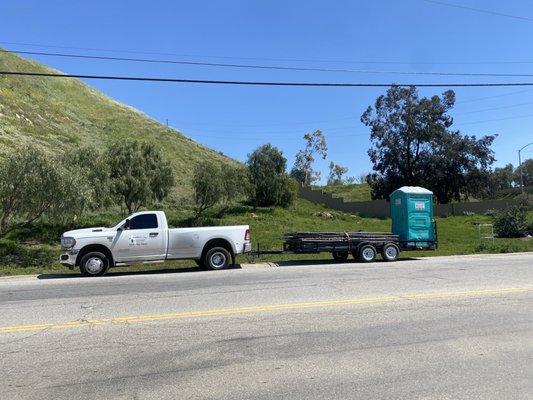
x: 68, y: 259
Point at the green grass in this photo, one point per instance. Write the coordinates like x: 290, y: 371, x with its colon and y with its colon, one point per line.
x: 352, y: 192
x: 457, y: 235
x: 61, y: 113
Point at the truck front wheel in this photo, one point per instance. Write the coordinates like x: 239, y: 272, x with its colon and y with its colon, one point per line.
x: 217, y: 258
x: 94, y: 264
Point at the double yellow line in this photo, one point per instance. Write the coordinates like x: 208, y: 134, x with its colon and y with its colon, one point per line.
x: 263, y: 308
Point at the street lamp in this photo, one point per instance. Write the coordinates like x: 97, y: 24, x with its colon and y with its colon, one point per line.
x: 520, y: 166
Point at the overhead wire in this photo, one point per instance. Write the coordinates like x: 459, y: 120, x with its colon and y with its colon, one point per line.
x: 311, y: 60
x: 269, y: 67
x: 260, y: 83
x: 479, y: 10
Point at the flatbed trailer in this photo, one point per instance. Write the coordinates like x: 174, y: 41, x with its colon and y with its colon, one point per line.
x: 413, y: 228
x: 363, y: 246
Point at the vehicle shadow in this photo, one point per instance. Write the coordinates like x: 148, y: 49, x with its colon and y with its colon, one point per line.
x: 111, y: 274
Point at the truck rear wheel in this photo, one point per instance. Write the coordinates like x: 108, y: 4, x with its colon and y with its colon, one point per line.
x: 340, y: 255
x: 367, y: 253
x: 390, y: 252
x: 217, y: 258
x: 94, y: 264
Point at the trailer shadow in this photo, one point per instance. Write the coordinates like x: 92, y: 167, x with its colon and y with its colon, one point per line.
x: 313, y: 262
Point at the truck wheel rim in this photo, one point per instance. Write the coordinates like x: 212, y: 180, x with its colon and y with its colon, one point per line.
x: 391, y: 252
x: 94, y: 265
x: 368, y: 254
x: 218, y: 259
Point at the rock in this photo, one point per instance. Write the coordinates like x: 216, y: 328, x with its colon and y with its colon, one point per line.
x: 323, y: 214
x: 254, y: 215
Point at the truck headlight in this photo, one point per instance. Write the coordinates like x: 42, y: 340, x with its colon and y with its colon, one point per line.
x: 67, y: 243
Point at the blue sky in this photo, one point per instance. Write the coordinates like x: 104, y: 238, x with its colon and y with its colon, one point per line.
x: 382, y: 35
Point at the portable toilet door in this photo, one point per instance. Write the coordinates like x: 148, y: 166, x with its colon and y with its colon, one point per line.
x: 412, y: 216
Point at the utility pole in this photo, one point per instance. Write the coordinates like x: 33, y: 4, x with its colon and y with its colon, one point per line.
x: 166, y: 121
x: 520, y: 166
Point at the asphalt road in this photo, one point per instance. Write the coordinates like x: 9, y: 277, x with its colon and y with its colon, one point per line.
x: 440, y: 328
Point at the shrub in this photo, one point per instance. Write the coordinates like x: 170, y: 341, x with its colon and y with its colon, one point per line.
x: 271, y: 186
x: 139, y: 174
x: 13, y: 253
x: 218, y: 185
x: 530, y: 226
x: 510, y: 222
x: 35, y: 184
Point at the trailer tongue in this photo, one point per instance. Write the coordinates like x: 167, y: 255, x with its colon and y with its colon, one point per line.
x: 412, y: 225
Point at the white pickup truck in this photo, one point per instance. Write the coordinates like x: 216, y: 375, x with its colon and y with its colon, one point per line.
x: 145, y: 237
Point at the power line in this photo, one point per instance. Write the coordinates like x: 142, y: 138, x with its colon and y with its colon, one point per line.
x: 268, y: 67
x: 480, y: 10
x: 496, y: 119
x: 493, y: 96
x: 269, y: 59
x: 260, y: 83
x: 495, y: 108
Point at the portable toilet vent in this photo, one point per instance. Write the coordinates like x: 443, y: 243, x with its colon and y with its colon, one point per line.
x: 412, y: 217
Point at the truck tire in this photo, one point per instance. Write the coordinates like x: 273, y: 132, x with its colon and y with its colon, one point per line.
x: 340, y: 256
x: 367, y: 253
x: 217, y: 258
x: 94, y: 264
x: 390, y: 252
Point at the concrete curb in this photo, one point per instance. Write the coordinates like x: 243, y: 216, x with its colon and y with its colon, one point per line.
x: 259, y: 265
x: 6, y: 277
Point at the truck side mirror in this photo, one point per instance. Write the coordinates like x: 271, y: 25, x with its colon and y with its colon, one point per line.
x: 126, y: 224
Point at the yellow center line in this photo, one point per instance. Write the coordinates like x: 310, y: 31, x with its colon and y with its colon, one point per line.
x: 264, y: 308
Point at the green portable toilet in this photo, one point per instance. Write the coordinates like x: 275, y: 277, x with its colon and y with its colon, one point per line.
x: 412, y: 217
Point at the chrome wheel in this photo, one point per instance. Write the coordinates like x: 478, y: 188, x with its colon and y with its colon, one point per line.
x: 367, y: 253
x: 218, y: 259
x: 94, y: 265
x: 391, y: 252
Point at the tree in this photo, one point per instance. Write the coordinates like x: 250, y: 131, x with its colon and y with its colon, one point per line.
x: 269, y: 181
x: 412, y: 144
x: 302, y: 171
x: 35, y: 184
x: 336, y: 173
x: 527, y: 173
x: 96, y: 173
x: 139, y: 174
x: 218, y: 185
x: 502, y: 178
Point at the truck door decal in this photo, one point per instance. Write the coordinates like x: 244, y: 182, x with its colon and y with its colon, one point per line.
x: 138, y: 241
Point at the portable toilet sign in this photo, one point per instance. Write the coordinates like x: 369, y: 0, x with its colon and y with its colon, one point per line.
x: 412, y: 217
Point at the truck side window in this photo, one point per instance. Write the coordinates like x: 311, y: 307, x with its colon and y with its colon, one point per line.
x: 144, y: 221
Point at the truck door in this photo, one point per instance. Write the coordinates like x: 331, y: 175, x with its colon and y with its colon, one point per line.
x: 143, y: 240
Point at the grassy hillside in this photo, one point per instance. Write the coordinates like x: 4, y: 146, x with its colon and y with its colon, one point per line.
x: 36, y: 250
x: 353, y: 192
x: 60, y: 113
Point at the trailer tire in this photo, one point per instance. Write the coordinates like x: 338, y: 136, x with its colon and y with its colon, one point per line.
x: 390, y: 252
x: 217, y: 258
x: 339, y: 256
x: 367, y: 253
